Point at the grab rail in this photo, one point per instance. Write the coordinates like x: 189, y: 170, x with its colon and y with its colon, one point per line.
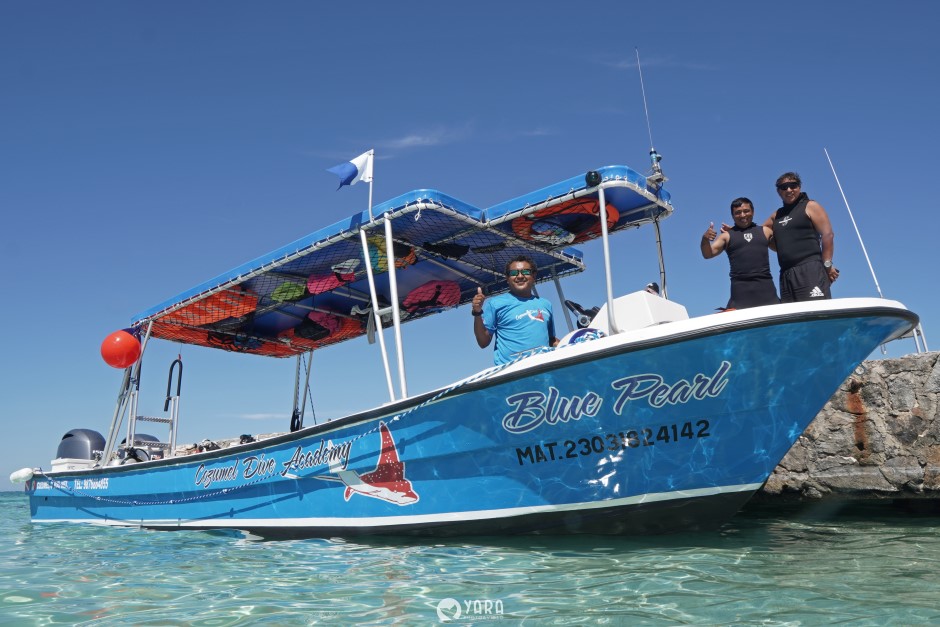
x: 169, y: 382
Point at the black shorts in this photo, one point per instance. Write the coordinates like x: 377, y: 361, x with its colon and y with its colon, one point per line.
x: 752, y: 292
x: 806, y: 281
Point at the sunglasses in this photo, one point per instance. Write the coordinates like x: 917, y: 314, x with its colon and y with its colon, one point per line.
x: 788, y: 186
x: 525, y: 272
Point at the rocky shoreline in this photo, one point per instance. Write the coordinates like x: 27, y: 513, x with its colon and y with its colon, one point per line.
x: 878, y: 437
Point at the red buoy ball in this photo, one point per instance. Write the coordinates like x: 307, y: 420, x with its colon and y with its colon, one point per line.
x: 120, y: 349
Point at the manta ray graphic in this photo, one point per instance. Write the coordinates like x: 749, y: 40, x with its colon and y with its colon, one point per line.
x: 535, y: 316
x: 386, y: 482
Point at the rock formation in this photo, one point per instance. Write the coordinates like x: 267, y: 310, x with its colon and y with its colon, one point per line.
x: 877, y: 437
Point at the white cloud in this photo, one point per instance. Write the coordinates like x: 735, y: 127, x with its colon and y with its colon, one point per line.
x: 411, y: 141
x: 439, y: 135
x: 538, y: 132
x: 435, y: 136
x: 279, y: 416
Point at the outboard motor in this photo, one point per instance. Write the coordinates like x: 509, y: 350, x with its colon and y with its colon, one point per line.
x: 81, y: 444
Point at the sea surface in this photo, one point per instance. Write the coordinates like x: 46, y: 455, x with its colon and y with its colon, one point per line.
x: 858, y: 565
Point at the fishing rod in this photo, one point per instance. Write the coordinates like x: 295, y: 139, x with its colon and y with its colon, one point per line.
x: 852, y: 217
x: 918, y: 330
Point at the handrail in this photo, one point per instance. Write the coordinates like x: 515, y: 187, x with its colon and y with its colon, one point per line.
x: 169, y: 382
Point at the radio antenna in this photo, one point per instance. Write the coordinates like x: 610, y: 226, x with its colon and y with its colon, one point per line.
x: 657, y: 177
x: 639, y: 68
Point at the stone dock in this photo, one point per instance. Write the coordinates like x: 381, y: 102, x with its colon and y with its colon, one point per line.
x: 878, y: 437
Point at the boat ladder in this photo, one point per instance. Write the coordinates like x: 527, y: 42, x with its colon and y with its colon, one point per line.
x: 135, y: 442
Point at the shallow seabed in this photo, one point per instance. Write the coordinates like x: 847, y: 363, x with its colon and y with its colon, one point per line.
x: 770, y: 566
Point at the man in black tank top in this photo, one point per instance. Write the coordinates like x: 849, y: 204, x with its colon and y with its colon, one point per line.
x: 804, y: 241
x: 746, y: 244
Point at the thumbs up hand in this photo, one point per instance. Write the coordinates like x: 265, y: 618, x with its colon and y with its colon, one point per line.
x: 477, y: 303
x: 710, y: 234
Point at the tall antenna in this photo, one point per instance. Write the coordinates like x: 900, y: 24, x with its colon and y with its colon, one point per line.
x: 649, y: 127
x: 657, y: 177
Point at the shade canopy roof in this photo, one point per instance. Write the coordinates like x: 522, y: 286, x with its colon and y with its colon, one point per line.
x: 315, y: 291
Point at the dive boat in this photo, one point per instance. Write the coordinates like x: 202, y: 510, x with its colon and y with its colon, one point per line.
x: 642, y: 420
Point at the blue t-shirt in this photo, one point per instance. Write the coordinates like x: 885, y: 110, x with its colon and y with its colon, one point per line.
x: 517, y: 324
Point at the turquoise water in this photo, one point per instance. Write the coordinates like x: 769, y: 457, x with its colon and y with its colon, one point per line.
x: 867, y: 566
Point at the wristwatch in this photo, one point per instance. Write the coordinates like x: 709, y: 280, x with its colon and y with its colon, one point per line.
x: 476, y: 313
x: 827, y: 264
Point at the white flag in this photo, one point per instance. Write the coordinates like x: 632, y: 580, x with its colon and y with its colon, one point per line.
x: 358, y: 169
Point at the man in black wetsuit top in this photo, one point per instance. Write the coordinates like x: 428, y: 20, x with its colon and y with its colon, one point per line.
x: 804, y: 241
x: 746, y: 244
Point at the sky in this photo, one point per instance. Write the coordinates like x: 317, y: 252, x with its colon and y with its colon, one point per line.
x: 148, y: 147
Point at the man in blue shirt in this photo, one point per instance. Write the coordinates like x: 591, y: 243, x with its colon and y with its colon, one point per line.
x: 519, y: 320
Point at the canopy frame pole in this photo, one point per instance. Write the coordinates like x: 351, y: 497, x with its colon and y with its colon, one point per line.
x: 131, y: 377
x: 297, y: 382
x: 662, y: 261
x: 396, y: 309
x: 132, y: 417
x: 303, y: 404
x: 376, y: 313
x: 611, y: 318
x: 116, y: 418
x: 296, y: 417
x: 561, y: 298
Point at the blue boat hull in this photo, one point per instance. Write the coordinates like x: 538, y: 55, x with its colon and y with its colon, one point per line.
x: 659, y: 432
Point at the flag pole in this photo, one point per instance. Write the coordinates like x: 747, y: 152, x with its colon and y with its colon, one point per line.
x: 371, y: 169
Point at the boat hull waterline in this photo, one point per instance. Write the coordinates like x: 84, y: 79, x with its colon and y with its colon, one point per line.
x: 614, y: 435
